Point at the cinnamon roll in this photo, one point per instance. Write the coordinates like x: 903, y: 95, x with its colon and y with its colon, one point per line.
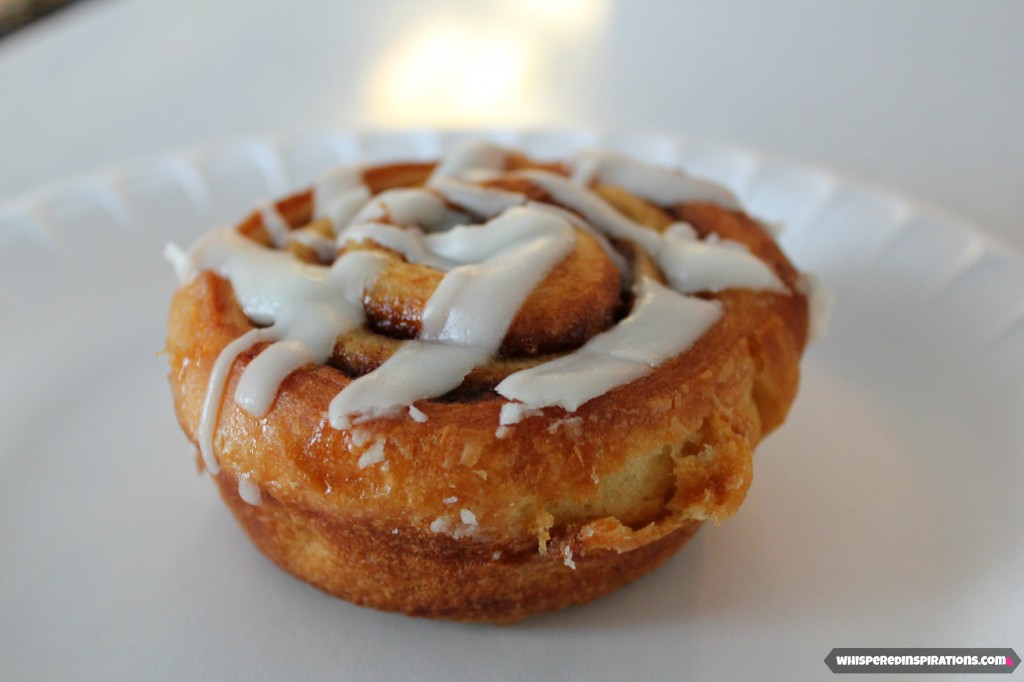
x: 487, y: 387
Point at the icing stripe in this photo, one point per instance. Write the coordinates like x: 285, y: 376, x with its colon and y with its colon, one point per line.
x: 594, y: 209
x: 409, y: 207
x: 662, y: 324
x: 485, y: 202
x: 692, y: 265
x: 658, y: 185
x: 306, y: 306
x: 277, y: 229
x: 474, y: 155
x: 339, y: 194
x: 215, y: 394
x: 418, y: 370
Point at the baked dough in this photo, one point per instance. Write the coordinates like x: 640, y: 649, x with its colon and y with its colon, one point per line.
x: 471, y: 505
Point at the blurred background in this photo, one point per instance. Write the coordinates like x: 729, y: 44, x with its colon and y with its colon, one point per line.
x: 924, y: 97
x: 15, y: 14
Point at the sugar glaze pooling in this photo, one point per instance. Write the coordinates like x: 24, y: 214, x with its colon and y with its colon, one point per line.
x: 490, y: 269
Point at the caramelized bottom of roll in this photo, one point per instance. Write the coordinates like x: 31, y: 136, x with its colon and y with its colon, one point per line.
x: 436, y: 577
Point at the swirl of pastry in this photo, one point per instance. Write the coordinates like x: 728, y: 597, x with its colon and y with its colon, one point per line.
x: 541, y: 377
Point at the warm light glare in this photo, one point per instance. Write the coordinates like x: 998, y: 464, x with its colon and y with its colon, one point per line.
x: 456, y: 71
x: 449, y: 74
x: 571, y: 18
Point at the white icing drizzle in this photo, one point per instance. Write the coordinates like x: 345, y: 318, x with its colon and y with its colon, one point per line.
x: 324, y: 248
x: 514, y: 412
x: 593, y: 208
x: 179, y: 259
x: 417, y: 371
x: 490, y: 270
x: 407, y: 241
x: 662, y: 324
x: 468, y: 526
x: 485, y: 202
x: 408, y: 207
x: 274, y: 223
x: 270, y: 368
x: 617, y: 258
x: 692, y: 265
x: 472, y: 155
x: 281, y: 234
x: 345, y: 207
x: 468, y: 315
x: 488, y: 202
x: 682, y: 230
x: 359, y: 437
x: 567, y: 557
x: 249, y: 491
x: 335, y: 183
x: 372, y: 455
x: 338, y: 194
x: 658, y: 185
x: 215, y: 393
x: 306, y: 306
x: 475, y: 303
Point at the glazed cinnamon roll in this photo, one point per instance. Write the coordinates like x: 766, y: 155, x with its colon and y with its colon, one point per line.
x: 487, y: 387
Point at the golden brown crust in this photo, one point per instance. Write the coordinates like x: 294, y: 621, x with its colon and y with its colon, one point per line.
x: 614, y: 487
x: 371, y: 566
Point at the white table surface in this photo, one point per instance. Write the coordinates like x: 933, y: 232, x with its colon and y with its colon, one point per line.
x: 923, y: 97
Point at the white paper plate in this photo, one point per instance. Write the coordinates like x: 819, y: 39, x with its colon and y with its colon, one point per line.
x: 886, y: 512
